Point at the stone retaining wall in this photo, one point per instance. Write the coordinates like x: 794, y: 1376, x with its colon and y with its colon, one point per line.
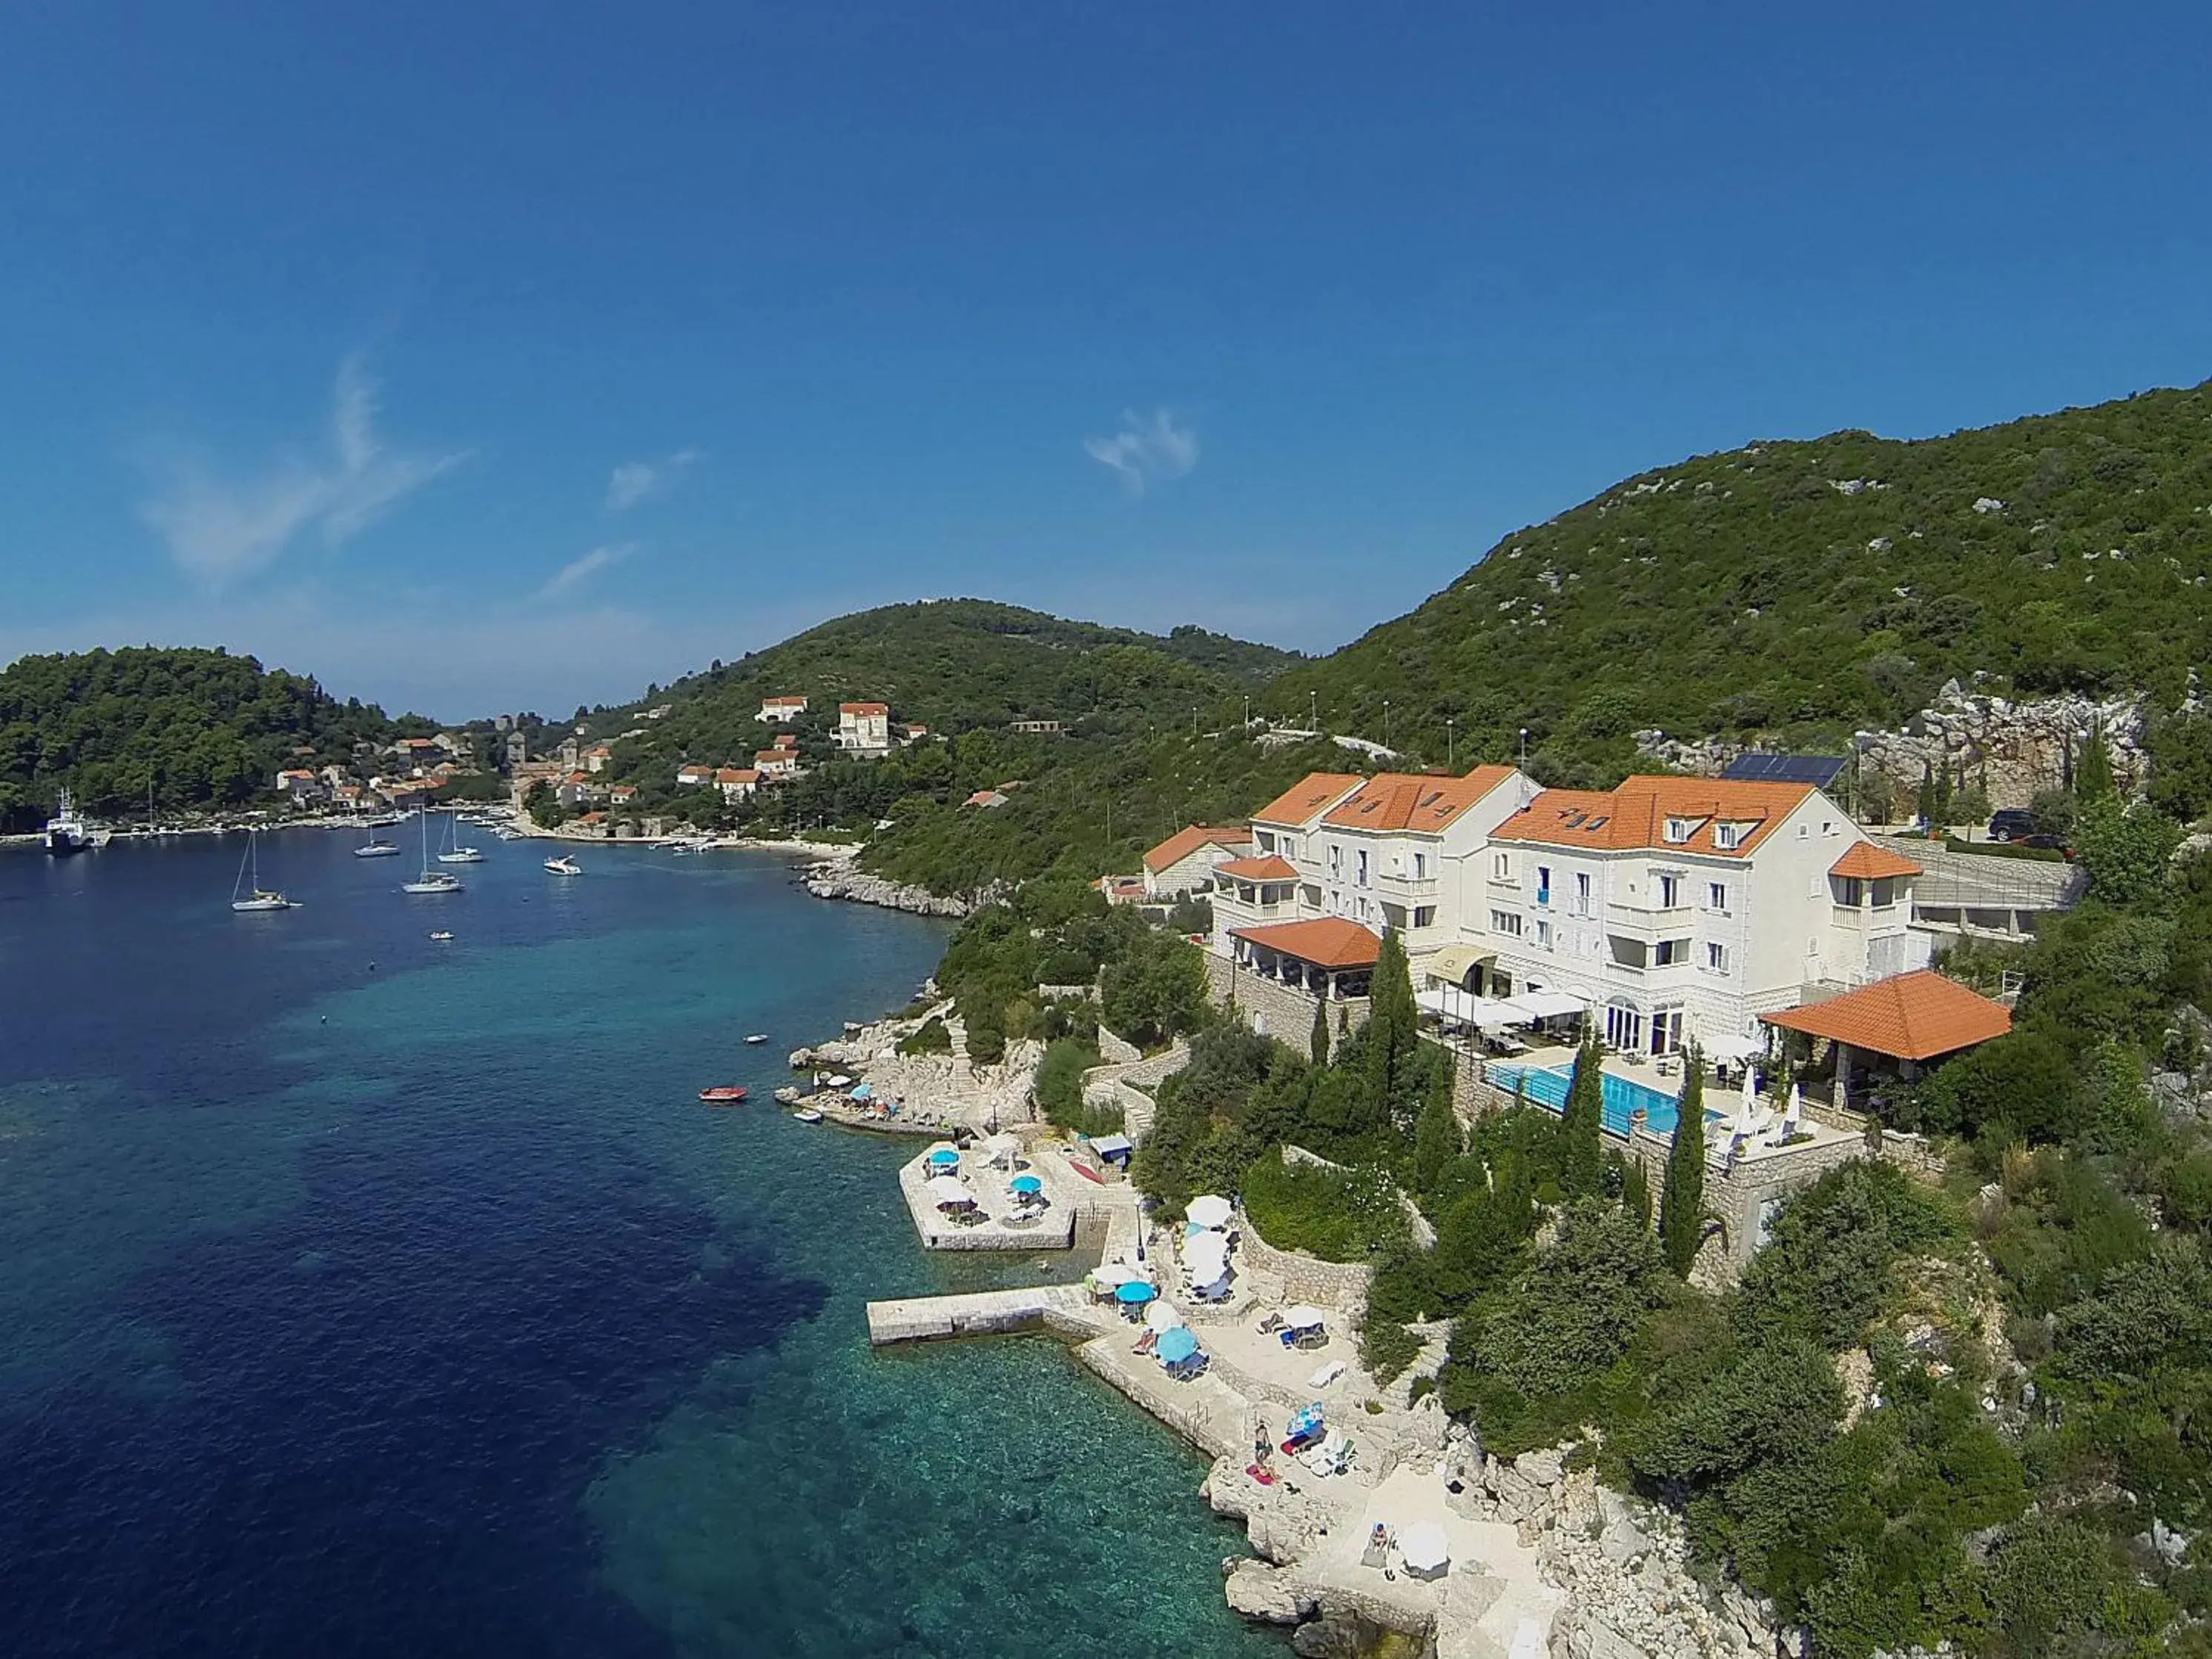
x: 1338, y: 1284
x: 1273, y: 1009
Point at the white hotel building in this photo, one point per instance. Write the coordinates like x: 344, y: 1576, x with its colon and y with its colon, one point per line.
x: 1670, y: 908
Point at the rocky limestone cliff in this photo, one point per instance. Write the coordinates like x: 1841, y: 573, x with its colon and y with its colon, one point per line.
x: 838, y: 879
x: 2010, y: 749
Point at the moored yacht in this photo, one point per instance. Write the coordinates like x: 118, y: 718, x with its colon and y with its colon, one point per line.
x: 247, y: 895
x: 564, y: 865
x: 431, y: 881
x: 67, y: 833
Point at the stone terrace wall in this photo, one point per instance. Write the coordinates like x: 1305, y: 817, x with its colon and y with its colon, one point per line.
x: 1338, y: 1284
x: 1273, y: 1008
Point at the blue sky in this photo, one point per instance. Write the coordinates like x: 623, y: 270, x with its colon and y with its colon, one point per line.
x: 479, y: 356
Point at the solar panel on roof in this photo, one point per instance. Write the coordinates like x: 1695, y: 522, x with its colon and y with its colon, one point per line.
x: 1818, y: 770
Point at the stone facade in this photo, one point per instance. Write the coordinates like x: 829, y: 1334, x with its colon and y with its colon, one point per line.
x: 1273, y: 1009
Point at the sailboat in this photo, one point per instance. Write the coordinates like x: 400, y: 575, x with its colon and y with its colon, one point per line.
x: 253, y: 896
x: 455, y: 853
x: 376, y: 847
x: 431, y: 881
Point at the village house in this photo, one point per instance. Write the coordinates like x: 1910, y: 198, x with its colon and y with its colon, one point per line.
x: 1037, y: 728
x: 1383, y: 853
x: 864, y: 728
x: 622, y: 794
x: 916, y: 733
x: 1184, y: 863
x: 775, y: 764
x: 300, y: 786
x: 984, y: 798
x: 597, y: 758
x: 736, y: 783
x: 690, y: 777
x: 782, y: 708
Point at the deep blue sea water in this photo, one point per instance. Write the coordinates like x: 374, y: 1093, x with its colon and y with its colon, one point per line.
x: 365, y: 1296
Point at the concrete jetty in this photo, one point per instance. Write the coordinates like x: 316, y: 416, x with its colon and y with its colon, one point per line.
x: 978, y: 1313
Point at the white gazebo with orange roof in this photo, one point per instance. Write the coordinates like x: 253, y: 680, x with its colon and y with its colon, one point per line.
x: 1908, y: 1019
x: 1328, y: 956
x: 1185, y: 861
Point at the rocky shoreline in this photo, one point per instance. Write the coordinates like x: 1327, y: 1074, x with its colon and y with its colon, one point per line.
x: 837, y: 878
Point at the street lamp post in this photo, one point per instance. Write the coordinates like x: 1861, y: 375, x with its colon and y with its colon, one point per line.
x: 1524, y: 746
x: 1449, y: 763
x: 1386, y: 722
x: 1313, y: 711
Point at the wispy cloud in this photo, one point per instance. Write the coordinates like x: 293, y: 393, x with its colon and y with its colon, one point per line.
x: 634, y: 482
x: 1147, y: 449
x: 221, y: 528
x: 574, y: 574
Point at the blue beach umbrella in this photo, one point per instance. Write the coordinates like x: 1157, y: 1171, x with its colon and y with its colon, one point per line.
x: 1175, y: 1345
x: 944, y: 1155
x: 1026, y: 1183
x: 1134, y: 1294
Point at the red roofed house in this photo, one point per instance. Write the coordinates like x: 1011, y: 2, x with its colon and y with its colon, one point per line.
x: 1184, y: 862
x: 1907, y: 1020
x: 782, y: 708
x: 774, y: 764
x: 864, y: 728
x: 1386, y: 852
x: 691, y: 777
x: 597, y: 756
x: 736, y: 783
x: 984, y: 798
x: 1679, y: 908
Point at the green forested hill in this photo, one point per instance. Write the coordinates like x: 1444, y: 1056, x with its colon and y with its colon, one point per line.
x: 198, y: 728
x: 1800, y: 589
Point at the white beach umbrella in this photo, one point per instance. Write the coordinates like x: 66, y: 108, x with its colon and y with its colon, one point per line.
x: 1112, y: 1275
x: 1423, y: 1547
x: 1161, y: 1317
x: 947, y: 1189
x: 1210, y: 1210
x: 1794, y: 1111
x: 1303, y: 1317
x: 1747, y: 1110
x: 1004, y: 1147
x: 1204, y: 1250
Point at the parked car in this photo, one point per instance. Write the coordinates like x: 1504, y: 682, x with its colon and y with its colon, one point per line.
x: 2011, y: 823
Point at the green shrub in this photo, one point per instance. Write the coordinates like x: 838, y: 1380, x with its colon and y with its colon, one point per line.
x: 1338, y: 1215
x: 930, y: 1038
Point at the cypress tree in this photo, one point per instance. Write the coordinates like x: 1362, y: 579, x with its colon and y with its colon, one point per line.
x: 1682, y: 1197
x: 1581, y: 1145
x: 2093, y: 774
x: 1393, y: 1035
x: 1317, y: 1044
x: 1635, y: 1192
x: 1436, y: 1142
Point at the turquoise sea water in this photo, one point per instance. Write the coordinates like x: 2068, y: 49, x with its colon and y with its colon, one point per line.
x: 417, y: 1308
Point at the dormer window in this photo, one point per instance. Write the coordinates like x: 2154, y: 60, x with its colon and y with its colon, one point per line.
x: 1727, y: 837
x: 1678, y: 830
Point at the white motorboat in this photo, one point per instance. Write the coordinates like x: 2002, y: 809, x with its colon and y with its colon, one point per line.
x: 431, y: 881
x: 441, y: 937
x: 808, y: 1114
x: 564, y: 865
x: 758, y: 1036
x: 247, y: 895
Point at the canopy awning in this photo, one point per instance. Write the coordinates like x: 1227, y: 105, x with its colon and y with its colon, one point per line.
x: 1730, y: 1045
x: 1452, y: 964
x: 1496, y: 1013
x: 1550, y: 1005
x: 1448, y: 1002
x: 1111, y: 1145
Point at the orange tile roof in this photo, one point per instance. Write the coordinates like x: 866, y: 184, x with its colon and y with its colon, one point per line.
x: 783, y: 703
x: 1634, y: 815
x: 1329, y: 942
x: 1405, y: 800
x: 1185, y: 841
x: 864, y: 708
x: 1916, y: 1016
x: 1871, y: 863
x: 1270, y: 868
x: 1312, y: 794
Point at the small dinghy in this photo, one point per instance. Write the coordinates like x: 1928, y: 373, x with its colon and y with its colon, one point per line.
x: 441, y: 937
x: 808, y: 1115
x: 727, y: 1094
x: 757, y: 1037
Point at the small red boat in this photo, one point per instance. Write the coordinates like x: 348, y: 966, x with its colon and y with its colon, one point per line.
x: 728, y: 1094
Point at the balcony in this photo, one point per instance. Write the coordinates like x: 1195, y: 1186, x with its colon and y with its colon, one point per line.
x: 1407, y: 887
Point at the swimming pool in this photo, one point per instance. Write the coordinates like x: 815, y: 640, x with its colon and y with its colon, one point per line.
x: 1547, y: 1086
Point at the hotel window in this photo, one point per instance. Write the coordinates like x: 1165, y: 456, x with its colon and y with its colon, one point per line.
x: 1335, y: 860
x: 1501, y: 866
x: 1425, y: 915
x: 1582, y: 893
x: 1507, y: 922
x: 1266, y: 841
x: 1543, y: 934
x: 1544, y: 884
x: 1727, y: 837
x: 1359, y: 878
x: 1716, y: 957
x: 1716, y: 896
x: 1420, y: 866
x: 1670, y: 892
x: 1671, y: 953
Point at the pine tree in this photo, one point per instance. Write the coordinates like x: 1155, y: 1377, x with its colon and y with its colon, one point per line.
x: 1317, y: 1044
x: 1581, y: 1122
x: 2092, y: 773
x: 1682, y: 1196
x: 1437, y: 1142
x: 1393, y: 1035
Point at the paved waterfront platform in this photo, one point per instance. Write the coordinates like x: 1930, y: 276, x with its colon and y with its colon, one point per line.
x: 1006, y: 1226
x: 976, y: 1313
